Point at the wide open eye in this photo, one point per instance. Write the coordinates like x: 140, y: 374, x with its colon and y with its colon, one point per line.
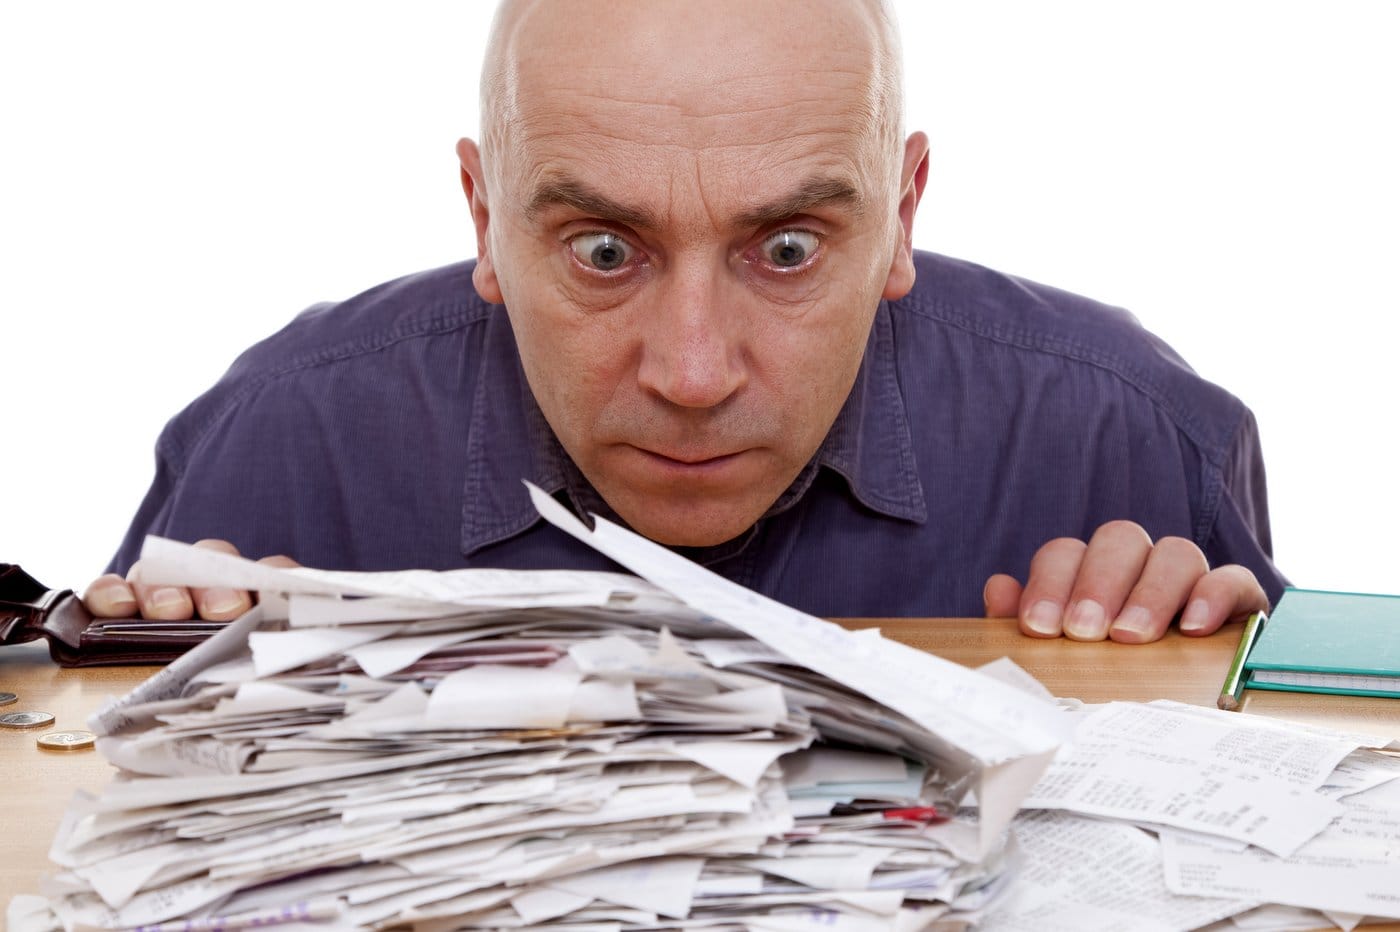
x: 787, y: 249
x: 605, y: 252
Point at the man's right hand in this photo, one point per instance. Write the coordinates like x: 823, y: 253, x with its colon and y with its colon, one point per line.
x: 110, y: 596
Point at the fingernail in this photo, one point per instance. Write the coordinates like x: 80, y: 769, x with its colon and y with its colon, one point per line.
x: 166, y: 598
x: 1136, y: 621
x: 1087, y: 621
x: 118, y: 600
x: 1044, y: 618
x: 222, y: 601
x: 1196, y: 616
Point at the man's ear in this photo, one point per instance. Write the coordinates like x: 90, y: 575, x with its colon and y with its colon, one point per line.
x: 913, y: 177
x: 474, y: 186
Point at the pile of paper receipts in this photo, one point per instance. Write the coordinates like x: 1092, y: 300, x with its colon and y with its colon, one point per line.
x: 492, y: 750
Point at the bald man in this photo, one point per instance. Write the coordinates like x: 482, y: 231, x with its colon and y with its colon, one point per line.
x: 696, y: 309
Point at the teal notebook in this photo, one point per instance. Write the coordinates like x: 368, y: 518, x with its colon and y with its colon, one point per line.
x: 1329, y: 642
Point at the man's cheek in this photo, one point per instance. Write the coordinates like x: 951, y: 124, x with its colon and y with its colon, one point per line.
x: 801, y: 298
x: 819, y: 342
x: 573, y: 296
x: 581, y: 364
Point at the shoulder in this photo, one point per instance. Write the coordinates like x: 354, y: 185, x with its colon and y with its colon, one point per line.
x: 1014, y: 312
x: 1020, y: 329
x: 328, y: 340
x: 436, y: 301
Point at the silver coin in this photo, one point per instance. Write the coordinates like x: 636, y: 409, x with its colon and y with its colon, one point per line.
x: 26, y: 719
x: 7, y: 698
x: 67, y: 740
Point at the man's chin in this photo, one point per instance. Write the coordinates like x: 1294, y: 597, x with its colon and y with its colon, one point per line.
x: 703, y: 522
x: 691, y: 533
x: 691, y: 504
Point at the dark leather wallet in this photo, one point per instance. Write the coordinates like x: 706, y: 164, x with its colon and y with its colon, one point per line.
x: 29, y: 610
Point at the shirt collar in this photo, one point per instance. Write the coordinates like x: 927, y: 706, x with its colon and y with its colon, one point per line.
x: 869, y: 445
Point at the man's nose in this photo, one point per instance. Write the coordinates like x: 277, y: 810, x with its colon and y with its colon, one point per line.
x: 693, y: 349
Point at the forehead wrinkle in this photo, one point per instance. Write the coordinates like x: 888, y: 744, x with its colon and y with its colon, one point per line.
x: 549, y: 89
x: 832, y: 99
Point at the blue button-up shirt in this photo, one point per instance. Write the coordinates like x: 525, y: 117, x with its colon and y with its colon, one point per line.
x: 990, y: 415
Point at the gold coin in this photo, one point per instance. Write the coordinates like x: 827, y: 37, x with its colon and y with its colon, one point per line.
x: 26, y: 719
x: 7, y: 698
x: 67, y: 740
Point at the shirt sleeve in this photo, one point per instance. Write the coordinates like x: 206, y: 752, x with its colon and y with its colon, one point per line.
x: 1241, y: 533
x: 150, y: 517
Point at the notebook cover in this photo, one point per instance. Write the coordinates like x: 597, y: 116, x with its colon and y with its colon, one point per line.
x: 1330, y: 632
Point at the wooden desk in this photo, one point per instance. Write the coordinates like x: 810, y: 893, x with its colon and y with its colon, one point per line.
x: 39, y: 783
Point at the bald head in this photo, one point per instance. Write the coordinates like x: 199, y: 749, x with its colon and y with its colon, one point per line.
x: 701, y: 59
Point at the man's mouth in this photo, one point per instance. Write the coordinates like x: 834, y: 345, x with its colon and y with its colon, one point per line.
x: 690, y: 460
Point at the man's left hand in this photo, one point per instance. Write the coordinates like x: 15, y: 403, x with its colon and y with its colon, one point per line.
x: 1121, y: 585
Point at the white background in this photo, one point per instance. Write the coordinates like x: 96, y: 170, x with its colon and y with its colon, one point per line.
x: 178, y: 179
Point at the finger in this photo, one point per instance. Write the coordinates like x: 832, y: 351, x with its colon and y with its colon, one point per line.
x: 160, y: 603
x: 1112, y: 565
x: 1053, y: 571
x: 1001, y: 596
x: 109, y: 596
x: 220, y: 603
x: 280, y: 560
x: 1172, y: 569
x: 1224, y: 594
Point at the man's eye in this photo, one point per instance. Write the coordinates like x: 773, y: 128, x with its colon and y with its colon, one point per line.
x: 602, y: 251
x: 789, y: 248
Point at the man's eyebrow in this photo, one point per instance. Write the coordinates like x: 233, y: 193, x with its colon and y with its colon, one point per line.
x: 814, y: 192
x: 568, y: 192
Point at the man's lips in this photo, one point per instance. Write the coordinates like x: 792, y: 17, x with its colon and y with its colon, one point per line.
x: 690, y: 460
